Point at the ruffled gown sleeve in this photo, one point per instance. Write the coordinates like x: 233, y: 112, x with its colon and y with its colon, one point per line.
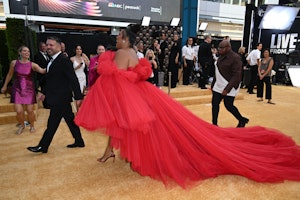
x: 114, y: 101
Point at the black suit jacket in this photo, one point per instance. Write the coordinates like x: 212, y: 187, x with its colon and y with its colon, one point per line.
x: 42, y: 62
x: 61, y: 82
x: 205, y: 57
x: 162, y: 55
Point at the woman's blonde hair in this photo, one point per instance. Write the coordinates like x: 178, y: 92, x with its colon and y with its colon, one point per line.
x: 20, y: 50
x: 149, y: 51
x: 241, y: 50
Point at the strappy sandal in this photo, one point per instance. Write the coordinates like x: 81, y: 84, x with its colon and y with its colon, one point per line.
x: 20, y: 130
x: 32, y: 129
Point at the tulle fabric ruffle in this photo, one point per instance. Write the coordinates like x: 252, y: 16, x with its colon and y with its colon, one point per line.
x: 165, y: 141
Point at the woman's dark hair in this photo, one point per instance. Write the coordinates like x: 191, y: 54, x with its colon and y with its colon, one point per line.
x: 268, y: 50
x: 187, y: 41
x: 131, y: 31
x: 258, y: 44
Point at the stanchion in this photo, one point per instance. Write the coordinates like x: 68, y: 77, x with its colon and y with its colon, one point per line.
x: 169, y: 85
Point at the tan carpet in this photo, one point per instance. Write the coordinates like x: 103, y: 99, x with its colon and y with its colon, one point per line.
x: 65, y: 173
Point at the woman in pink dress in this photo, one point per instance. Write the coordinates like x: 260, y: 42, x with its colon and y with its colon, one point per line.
x: 23, y: 89
x: 93, y: 74
x: 164, y: 140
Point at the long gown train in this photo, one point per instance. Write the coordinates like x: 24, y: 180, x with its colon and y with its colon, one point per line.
x: 165, y: 141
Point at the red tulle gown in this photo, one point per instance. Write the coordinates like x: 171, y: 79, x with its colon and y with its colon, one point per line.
x: 165, y: 141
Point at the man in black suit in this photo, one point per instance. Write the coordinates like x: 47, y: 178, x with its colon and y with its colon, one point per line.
x: 61, y: 83
x: 41, y: 58
x: 205, y: 61
x: 161, y: 56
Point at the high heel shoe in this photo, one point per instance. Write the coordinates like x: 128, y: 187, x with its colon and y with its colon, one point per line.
x: 104, y: 158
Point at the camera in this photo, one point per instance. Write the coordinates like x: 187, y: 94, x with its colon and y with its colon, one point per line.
x: 150, y: 58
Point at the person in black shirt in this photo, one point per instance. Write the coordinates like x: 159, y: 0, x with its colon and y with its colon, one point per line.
x: 205, y: 61
x: 174, y: 60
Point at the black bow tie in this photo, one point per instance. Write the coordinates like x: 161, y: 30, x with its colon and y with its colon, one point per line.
x: 50, y: 59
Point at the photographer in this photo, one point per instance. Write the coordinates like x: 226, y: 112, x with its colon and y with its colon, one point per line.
x: 151, y: 57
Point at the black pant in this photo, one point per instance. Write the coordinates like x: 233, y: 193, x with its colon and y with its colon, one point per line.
x: 228, y: 102
x: 187, y: 71
x: 205, y: 73
x: 174, y: 75
x: 56, y: 114
x: 260, y: 87
x: 253, y: 78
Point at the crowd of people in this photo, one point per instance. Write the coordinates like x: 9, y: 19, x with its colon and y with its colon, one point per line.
x: 161, y: 46
x: 152, y: 130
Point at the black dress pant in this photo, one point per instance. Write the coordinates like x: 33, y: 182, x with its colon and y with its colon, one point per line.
x: 187, y: 72
x: 174, y: 74
x: 206, y: 71
x: 260, y: 87
x: 56, y: 114
x: 228, y: 102
x: 253, y: 78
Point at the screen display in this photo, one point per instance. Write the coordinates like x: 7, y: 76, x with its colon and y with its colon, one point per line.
x: 128, y: 10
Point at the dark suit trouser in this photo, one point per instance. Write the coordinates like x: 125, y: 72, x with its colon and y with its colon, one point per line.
x: 187, y: 72
x: 174, y: 75
x: 260, y: 87
x: 253, y: 77
x: 204, y: 76
x: 56, y: 114
x: 228, y: 102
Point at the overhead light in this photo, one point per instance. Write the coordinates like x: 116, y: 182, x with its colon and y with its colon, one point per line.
x: 114, y: 31
x: 278, y: 17
x: 146, y: 21
x: 203, y: 26
x: 175, y: 21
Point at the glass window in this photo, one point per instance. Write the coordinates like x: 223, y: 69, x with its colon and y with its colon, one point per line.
x: 236, y: 2
x: 243, y: 2
x: 233, y: 2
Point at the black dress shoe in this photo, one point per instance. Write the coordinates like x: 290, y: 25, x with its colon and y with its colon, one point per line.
x: 243, y: 122
x: 75, y: 145
x: 37, y: 149
x: 251, y: 92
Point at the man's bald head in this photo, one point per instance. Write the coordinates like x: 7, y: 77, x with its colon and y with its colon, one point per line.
x: 224, y: 47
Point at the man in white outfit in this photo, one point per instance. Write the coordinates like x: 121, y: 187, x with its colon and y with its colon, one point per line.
x: 253, y: 60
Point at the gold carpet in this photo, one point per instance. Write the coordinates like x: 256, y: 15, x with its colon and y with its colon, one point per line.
x: 65, y: 173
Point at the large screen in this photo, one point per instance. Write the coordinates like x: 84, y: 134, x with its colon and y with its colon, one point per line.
x: 128, y: 10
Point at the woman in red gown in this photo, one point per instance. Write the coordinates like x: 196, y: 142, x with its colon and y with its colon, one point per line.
x: 163, y: 140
